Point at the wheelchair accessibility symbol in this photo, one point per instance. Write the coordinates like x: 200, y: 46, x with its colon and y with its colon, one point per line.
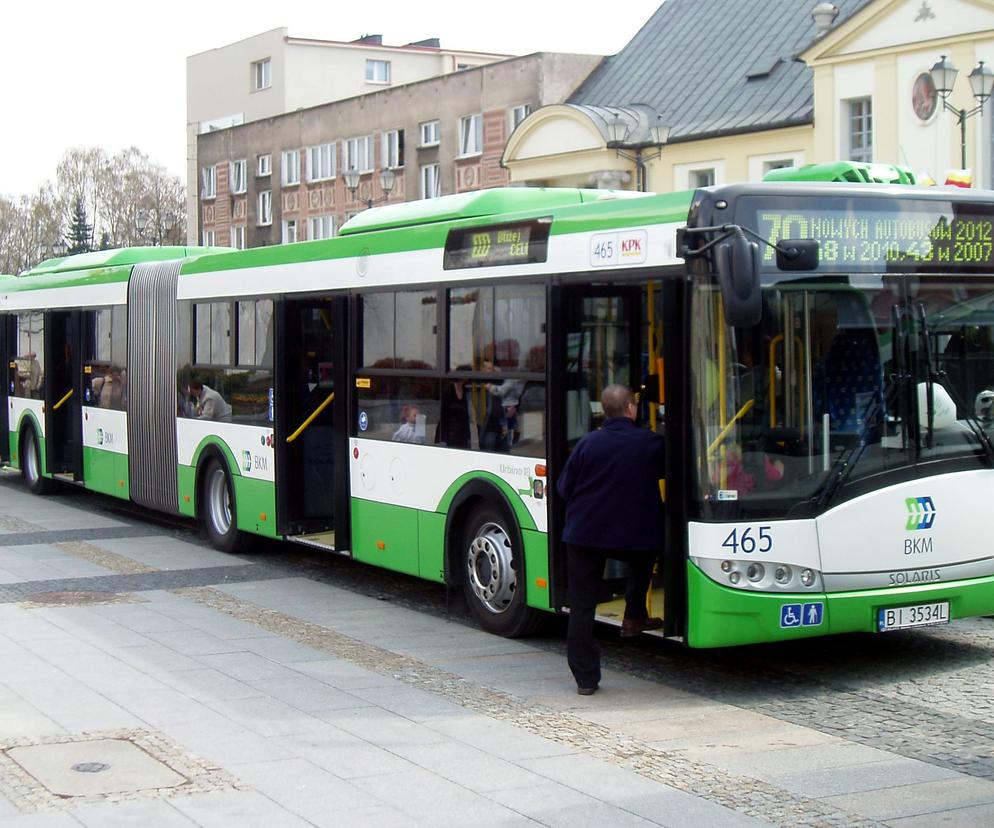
x: 802, y: 615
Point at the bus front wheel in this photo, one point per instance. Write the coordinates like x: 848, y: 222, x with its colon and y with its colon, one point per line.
x: 31, y: 464
x: 218, y: 508
x: 493, y: 574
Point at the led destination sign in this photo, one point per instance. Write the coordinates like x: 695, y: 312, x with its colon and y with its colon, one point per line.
x: 921, y: 236
x: 506, y: 244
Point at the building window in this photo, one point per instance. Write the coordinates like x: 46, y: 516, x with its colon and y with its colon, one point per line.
x: 430, y: 134
x: 263, y: 164
x: 701, y: 178
x: 262, y: 77
x: 239, y: 176
x: 393, y: 149
x: 209, y: 238
x: 471, y: 135
x: 359, y: 154
x: 321, y: 162
x: 518, y: 114
x: 208, y: 182
x: 265, y: 207
x: 430, y: 184
x: 860, y: 129
x: 321, y: 227
x: 780, y: 164
x: 289, y: 231
x: 238, y: 237
x: 290, y: 171
x: 378, y: 71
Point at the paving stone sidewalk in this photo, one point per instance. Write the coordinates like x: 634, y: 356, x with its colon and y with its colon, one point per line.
x: 145, y: 678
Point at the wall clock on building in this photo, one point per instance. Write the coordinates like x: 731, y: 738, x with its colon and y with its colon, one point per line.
x: 924, y: 98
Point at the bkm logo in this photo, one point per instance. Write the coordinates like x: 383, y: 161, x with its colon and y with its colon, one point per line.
x: 247, y: 460
x: 921, y: 513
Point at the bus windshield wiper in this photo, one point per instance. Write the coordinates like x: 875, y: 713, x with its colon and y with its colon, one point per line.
x: 934, y: 374
x: 848, y: 458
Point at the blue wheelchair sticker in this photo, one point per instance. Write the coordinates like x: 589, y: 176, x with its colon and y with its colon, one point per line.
x: 790, y: 615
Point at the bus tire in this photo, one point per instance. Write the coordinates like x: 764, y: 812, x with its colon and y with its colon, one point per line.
x: 217, y: 507
x: 30, y: 461
x: 493, y: 577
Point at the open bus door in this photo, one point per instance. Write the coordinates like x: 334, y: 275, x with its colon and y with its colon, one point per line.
x: 311, y: 421
x: 8, y: 350
x: 603, y: 335
x: 63, y: 372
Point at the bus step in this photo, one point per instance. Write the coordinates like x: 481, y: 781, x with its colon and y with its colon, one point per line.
x: 65, y: 477
x: 319, y: 540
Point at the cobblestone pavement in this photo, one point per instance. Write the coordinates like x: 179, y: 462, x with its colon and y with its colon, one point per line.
x: 923, y: 695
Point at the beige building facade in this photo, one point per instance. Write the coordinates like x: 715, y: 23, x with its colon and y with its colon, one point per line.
x: 272, y: 73
x: 281, y: 179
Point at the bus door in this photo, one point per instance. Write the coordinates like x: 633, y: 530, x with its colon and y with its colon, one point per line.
x: 601, y: 335
x: 8, y: 350
x: 310, y: 413
x: 63, y: 373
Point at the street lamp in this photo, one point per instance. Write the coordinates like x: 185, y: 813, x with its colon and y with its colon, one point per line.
x: 981, y: 84
x: 387, y: 179
x: 143, y: 223
x: 636, y: 129
x: 53, y: 250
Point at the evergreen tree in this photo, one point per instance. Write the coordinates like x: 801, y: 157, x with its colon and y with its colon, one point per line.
x: 105, y: 243
x: 80, y: 233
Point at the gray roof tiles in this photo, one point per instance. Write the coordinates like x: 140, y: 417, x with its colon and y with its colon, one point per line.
x: 691, y: 62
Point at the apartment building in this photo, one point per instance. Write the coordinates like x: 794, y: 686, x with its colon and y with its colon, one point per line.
x: 282, y: 179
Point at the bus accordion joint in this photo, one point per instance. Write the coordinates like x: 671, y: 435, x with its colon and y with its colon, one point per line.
x: 314, y: 415
x: 61, y: 402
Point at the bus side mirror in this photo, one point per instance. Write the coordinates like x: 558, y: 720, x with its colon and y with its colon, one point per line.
x: 797, y: 254
x: 737, y: 266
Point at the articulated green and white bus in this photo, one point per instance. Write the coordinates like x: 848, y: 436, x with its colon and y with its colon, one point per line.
x: 819, y: 356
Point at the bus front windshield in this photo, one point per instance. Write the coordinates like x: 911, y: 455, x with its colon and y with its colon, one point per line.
x: 844, y: 379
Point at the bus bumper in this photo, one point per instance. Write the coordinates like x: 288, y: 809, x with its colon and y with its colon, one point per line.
x: 720, y: 616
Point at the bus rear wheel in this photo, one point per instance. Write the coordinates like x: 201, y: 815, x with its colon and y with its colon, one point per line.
x: 493, y: 574
x: 30, y: 453
x: 217, y: 500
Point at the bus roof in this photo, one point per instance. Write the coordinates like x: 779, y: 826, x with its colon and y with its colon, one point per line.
x: 118, y: 257
x: 498, y: 201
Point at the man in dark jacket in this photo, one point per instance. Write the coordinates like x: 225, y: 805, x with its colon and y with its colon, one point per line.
x: 610, y: 484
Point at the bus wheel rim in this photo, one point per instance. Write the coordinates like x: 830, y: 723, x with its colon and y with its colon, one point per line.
x: 30, y: 458
x: 489, y: 567
x: 219, y: 502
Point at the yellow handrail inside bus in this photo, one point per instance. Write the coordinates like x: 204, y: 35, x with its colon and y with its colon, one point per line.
x: 727, y: 429
x: 312, y: 418
x: 59, y: 404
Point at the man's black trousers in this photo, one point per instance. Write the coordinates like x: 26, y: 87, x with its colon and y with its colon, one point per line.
x: 585, y: 570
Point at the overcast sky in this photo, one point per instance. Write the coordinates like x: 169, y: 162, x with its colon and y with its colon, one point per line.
x: 111, y: 73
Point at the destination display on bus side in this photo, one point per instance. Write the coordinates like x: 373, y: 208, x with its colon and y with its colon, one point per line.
x: 518, y: 243
x: 930, y: 236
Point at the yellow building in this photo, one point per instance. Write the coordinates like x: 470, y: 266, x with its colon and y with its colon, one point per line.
x: 710, y: 92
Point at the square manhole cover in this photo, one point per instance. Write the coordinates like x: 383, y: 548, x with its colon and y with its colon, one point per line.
x: 101, y: 766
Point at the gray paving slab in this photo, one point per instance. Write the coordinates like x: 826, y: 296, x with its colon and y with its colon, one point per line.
x: 20, y: 718
x: 389, y: 730
x: 159, y: 813
x: 914, y: 800
x: 344, y: 754
x: 411, y: 702
x: 153, y: 658
x: 309, y: 694
x: 208, y: 685
x: 770, y: 765
x: 191, y: 641
x: 976, y: 816
x: 498, y: 738
x: 243, y: 808
x: 168, y: 553
x: 73, y: 705
x: 224, y: 742
x: 44, y: 819
x: 866, y: 776
x: 267, y: 716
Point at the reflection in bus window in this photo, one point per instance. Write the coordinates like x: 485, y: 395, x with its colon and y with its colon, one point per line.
x: 497, y: 328
x: 399, y: 329
x: 27, y: 373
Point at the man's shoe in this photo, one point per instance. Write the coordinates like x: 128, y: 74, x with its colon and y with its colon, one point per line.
x: 586, y: 691
x: 631, y: 627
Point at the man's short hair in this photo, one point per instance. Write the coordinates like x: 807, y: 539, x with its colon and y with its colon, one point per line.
x: 615, y: 399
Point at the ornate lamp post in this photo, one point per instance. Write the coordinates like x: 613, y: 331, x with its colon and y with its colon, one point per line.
x: 387, y: 179
x: 981, y: 84
x: 631, y: 136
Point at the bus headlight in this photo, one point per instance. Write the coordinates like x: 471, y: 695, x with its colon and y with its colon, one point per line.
x: 760, y: 576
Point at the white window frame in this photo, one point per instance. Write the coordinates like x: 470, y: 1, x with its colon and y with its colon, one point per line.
x: 209, y: 238
x: 290, y: 233
x: 372, y: 73
x: 430, y: 133
x: 517, y: 114
x: 321, y: 227
x: 858, y: 123
x: 264, y: 218
x: 263, y: 165
x: 239, y: 176
x: 237, y: 237
x: 262, y: 74
x: 208, y: 182
x: 431, y: 180
x: 391, y: 144
x: 321, y: 162
x: 290, y: 168
x: 708, y: 174
x: 358, y: 153
x: 471, y: 135
x: 760, y: 165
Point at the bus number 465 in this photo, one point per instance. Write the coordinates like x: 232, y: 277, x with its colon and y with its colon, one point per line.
x: 746, y: 542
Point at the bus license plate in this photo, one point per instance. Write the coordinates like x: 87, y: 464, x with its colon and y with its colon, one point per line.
x: 920, y: 615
